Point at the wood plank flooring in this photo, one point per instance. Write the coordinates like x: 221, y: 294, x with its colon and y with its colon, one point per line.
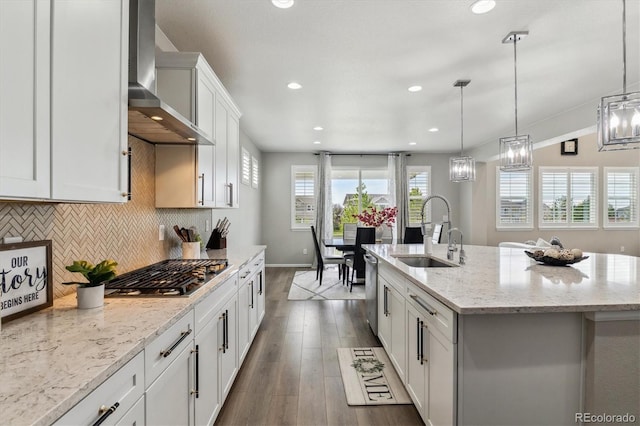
x: 291, y: 374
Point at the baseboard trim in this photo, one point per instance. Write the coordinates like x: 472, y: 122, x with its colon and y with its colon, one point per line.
x: 287, y: 265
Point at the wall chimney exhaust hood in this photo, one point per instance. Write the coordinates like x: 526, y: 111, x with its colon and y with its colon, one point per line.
x: 151, y: 119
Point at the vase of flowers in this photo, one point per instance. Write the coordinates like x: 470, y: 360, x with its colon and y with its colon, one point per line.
x: 377, y: 218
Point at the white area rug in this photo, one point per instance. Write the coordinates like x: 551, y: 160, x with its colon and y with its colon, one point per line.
x: 369, y: 378
x: 305, y: 286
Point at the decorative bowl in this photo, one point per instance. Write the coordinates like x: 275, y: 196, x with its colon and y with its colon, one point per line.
x: 553, y: 261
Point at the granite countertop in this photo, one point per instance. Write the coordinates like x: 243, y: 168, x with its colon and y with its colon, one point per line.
x: 505, y: 280
x: 51, y: 359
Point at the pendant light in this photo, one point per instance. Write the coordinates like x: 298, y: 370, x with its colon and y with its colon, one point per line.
x: 462, y: 169
x: 619, y: 115
x: 516, y: 152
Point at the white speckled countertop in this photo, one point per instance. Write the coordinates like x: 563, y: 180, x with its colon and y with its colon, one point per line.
x: 505, y: 280
x: 53, y: 358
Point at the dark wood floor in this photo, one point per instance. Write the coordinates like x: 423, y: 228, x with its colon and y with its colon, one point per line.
x: 291, y: 374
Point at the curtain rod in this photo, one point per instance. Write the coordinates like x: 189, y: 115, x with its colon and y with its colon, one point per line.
x: 362, y: 155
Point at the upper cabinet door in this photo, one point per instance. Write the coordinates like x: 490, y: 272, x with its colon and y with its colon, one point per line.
x: 233, y: 158
x: 222, y: 192
x: 24, y: 99
x: 89, y: 41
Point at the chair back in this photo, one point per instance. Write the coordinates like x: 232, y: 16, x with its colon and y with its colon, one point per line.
x: 413, y: 235
x: 349, y: 231
x: 316, y: 246
x: 364, y: 235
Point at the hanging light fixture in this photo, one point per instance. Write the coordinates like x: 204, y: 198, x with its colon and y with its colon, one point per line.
x: 516, y: 152
x: 619, y: 115
x: 462, y: 169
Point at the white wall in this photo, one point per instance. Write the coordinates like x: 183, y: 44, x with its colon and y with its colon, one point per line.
x: 246, y: 220
x: 285, y: 246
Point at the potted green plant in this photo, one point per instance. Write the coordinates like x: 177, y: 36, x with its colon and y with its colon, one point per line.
x: 91, y: 293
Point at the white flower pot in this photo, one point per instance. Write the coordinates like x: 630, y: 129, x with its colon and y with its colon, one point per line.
x: 90, y: 297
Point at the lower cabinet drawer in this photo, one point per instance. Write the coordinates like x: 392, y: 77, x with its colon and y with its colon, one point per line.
x: 112, y: 399
x: 438, y: 315
x: 159, y: 354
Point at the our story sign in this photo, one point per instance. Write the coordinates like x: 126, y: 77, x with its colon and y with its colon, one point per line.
x: 25, y: 278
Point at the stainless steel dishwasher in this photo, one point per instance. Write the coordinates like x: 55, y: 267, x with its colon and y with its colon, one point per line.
x: 371, y: 291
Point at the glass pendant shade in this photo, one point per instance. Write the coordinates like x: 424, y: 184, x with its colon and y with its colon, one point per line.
x: 462, y: 169
x: 619, y: 122
x: 516, y: 153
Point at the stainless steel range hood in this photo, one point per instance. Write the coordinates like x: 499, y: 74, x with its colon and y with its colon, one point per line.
x: 151, y: 119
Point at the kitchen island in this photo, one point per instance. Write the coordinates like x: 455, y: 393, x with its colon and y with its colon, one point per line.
x: 52, y: 359
x: 521, y: 342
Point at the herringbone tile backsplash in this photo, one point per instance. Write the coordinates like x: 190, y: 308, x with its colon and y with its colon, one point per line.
x: 127, y: 233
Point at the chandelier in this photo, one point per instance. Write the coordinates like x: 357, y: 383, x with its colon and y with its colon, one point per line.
x: 462, y: 169
x: 619, y: 115
x: 516, y: 152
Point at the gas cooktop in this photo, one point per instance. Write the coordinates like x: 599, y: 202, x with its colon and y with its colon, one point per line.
x: 172, y: 277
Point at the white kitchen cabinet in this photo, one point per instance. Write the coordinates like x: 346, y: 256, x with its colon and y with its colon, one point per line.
x: 245, y: 312
x: 206, y: 376
x: 207, y: 175
x: 251, y: 301
x: 431, y: 355
x: 63, y: 124
x: 89, y: 68
x: 228, y: 364
x: 24, y: 105
x: 259, y: 290
x: 115, y: 401
x: 391, y: 318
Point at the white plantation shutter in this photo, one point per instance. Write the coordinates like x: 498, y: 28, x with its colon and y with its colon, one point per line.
x: 246, y: 167
x: 303, y: 199
x: 568, y: 197
x: 418, y: 189
x: 255, y: 172
x: 621, y: 197
x: 515, y: 200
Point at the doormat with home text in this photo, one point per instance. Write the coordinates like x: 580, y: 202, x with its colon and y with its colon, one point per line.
x: 369, y: 378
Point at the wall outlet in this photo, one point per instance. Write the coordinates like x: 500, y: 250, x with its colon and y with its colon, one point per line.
x: 207, y: 225
x: 304, y: 251
x: 12, y: 240
x: 621, y: 249
x: 161, y: 233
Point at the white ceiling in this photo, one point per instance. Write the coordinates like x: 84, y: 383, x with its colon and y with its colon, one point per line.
x: 356, y: 59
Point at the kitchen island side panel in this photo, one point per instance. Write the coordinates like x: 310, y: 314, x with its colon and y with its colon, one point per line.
x: 523, y: 369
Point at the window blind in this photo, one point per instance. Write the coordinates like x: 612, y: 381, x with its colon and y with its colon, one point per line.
x: 303, y: 200
x: 515, y: 200
x: 621, y: 197
x: 419, y: 188
x: 568, y: 197
x: 246, y: 167
x: 255, y: 172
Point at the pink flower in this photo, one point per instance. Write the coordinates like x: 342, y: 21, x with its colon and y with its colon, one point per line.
x: 374, y: 217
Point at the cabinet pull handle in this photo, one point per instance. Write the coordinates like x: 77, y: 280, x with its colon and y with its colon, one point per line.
x: 386, y: 301
x: 260, y: 287
x: 422, y: 327
x: 231, y: 195
x: 251, y: 285
x: 196, y: 392
x: 245, y: 275
x: 419, y: 301
x: 106, y: 412
x: 128, y: 153
x: 224, y: 332
x: 226, y: 344
x: 183, y: 335
x: 418, y: 338
x: 202, y: 190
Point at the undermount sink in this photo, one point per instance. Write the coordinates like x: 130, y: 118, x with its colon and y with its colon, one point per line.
x: 423, y: 262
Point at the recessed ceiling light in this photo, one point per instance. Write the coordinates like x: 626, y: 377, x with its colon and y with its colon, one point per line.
x: 282, y: 4
x: 482, y: 6
x: 415, y: 88
x: 434, y: 129
x: 294, y: 86
x: 317, y: 142
x: 191, y: 139
x: 412, y: 143
x: 318, y: 128
x: 156, y: 117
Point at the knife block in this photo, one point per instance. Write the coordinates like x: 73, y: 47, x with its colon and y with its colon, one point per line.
x: 216, y: 241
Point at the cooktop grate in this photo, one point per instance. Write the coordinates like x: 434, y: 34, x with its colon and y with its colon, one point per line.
x: 168, y: 277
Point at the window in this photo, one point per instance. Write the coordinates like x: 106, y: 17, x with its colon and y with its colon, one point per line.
x: 568, y: 197
x: 246, y: 167
x: 620, y: 197
x: 514, y: 203
x: 419, y: 188
x: 303, y: 196
x: 354, y: 190
x: 255, y: 175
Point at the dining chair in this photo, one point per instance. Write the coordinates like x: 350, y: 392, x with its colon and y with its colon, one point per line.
x: 364, y: 235
x: 323, y: 258
x: 413, y: 235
